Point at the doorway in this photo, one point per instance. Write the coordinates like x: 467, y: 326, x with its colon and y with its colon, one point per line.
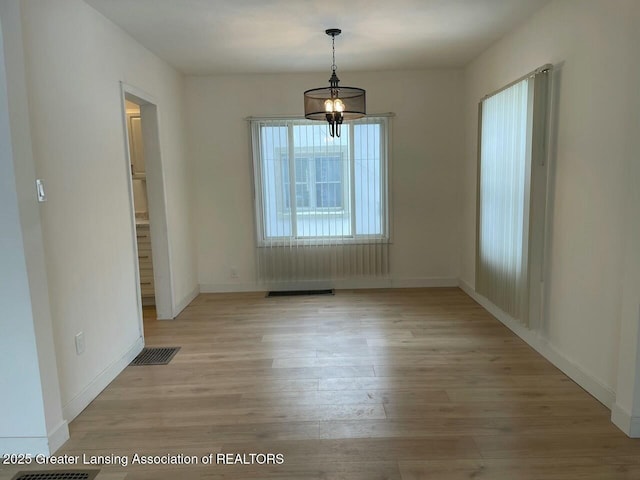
x: 141, y: 207
x: 150, y: 240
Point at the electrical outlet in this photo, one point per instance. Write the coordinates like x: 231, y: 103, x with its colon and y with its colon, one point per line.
x: 234, y: 272
x: 79, y: 343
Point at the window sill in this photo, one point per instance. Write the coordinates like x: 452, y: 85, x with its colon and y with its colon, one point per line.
x: 322, y: 241
x: 313, y: 213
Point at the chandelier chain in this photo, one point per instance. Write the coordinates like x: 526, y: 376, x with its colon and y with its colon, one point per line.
x: 333, y: 45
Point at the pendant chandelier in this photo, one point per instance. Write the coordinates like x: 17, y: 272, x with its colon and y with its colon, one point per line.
x: 334, y: 104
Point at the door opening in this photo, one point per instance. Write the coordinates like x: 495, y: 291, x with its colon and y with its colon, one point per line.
x: 150, y: 240
x: 141, y: 208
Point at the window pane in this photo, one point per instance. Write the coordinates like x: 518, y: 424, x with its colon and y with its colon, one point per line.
x: 329, y: 186
x: 286, y: 184
x: 274, y: 171
x: 328, y: 169
x: 369, y: 207
x: 303, y: 199
x: 303, y: 196
x: 329, y: 195
x: 302, y: 170
x: 311, y: 135
x: 324, y: 224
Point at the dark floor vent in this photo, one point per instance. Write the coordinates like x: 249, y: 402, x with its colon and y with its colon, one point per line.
x: 294, y: 293
x: 155, y: 356
x: 57, y: 475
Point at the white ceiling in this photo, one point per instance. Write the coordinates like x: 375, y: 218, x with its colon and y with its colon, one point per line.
x: 268, y: 36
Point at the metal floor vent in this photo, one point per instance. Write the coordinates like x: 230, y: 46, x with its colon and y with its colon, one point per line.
x: 293, y: 293
x: 57, y: 475
x: 155, y: 356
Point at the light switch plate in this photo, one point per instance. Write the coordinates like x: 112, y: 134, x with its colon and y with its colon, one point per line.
x: 79, y: 343
x: 42, y: 196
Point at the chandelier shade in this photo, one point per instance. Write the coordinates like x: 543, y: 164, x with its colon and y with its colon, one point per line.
x: 354, y: 100
x: 334, y: 104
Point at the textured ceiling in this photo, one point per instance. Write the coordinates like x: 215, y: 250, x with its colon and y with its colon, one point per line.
x: 269, y: 36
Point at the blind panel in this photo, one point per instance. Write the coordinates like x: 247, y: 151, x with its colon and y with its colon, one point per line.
x: 502, y: 267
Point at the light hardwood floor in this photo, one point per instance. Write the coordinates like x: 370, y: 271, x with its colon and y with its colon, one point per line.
x: 364, y: 385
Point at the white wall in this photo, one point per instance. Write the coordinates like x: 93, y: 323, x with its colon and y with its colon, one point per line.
x: 15, y: 298
x: 75, y: 59
x: 425, y: 167
x: 626, y: 411
x: 32, y: 418
x: 591, y: 44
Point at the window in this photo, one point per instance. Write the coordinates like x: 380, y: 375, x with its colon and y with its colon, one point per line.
x: 313, y: 187
x: 512, y: 195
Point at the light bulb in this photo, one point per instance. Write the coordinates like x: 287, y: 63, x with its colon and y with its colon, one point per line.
x: 328, y: 106
x: 338, y: 105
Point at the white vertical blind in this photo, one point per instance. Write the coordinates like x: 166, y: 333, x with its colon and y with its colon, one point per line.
x: 321, y: 201
x: 505, y: 145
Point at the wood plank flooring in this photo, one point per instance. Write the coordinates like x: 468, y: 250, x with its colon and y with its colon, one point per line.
x: 409, y: 384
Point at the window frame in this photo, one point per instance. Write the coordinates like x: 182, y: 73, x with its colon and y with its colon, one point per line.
x: 348, y: 188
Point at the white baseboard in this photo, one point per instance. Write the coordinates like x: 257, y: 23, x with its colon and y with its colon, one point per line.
x: 163, y: 314
x: 591, y: 384
x: 36, y: 445
x: 58, y: 436
x: 72, y: 409
x: 231, y: 287
x: 356, y: 283
x: 186, y: 301
x: 625, y: 422
x: 432, y: 282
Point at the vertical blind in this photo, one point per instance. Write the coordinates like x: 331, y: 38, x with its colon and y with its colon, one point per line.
x: 321, y: 201
x: 504, y: 196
